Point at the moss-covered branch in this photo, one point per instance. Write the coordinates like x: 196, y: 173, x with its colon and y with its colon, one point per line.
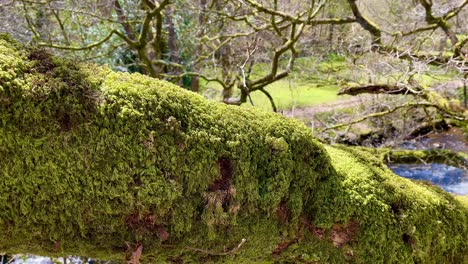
x: 456, y: 159
x: 433, y: 22
x: 440, y: 21
x: 121, y: 166
x: 366, y: 24
x: 379, y: 89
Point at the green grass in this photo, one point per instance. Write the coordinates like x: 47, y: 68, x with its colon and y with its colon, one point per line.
x: 312, y: 82
x: 287, y: 96
x: 315, y: 81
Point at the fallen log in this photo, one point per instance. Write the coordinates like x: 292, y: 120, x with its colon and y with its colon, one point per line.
x: 387, y: 155
x: 427, y: 127
x: 379, y: 89
x: 121, y: 166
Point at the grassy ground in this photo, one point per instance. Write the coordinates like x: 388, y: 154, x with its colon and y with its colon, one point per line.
x: 286, y: 94
x: 315, y: 81
x: 289, y: 95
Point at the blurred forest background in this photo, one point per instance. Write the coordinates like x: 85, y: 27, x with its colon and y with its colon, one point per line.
x: 400, y: 67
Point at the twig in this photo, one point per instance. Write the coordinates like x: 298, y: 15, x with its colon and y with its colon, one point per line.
x: 379, y: 114
x: 231, y: 252
x: 272, y: 101
x: 244, y: 78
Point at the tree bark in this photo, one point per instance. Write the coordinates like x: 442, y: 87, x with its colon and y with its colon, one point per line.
x: 172, y: 41
x: 201, y: 32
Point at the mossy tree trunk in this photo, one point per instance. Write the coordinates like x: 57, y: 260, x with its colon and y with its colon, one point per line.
x: 122, y: 166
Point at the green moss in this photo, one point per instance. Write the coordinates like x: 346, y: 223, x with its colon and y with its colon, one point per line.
x: 118, y: 157
x: 399, y: 221
x: 457, y: 159
x: 92, y: 160
x: 463, y: 199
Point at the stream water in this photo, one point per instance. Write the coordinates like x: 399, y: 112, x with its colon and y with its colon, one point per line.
x: 32, y: 259
x: 451, y: 179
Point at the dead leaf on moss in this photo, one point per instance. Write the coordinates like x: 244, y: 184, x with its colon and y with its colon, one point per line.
x: 342, y: 234
x: 135, y: 256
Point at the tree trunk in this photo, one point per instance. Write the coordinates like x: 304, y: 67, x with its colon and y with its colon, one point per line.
x: 201, y: 32
x: 224, y: 54
x: 464, y: 90
x: 195, y: 84
x: 172, y: 42
x: 331, y: 32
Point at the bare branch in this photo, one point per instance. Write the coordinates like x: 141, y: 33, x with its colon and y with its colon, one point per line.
x: 90, y: 46
x: 332, y: 21
x: 272, y: 101
x: 384, y: 113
